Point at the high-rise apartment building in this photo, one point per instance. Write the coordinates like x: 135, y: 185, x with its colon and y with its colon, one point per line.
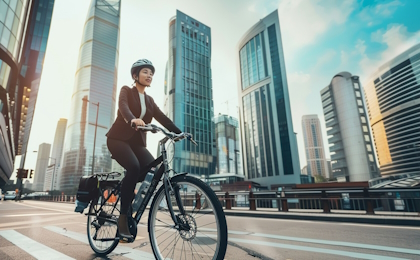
x: 24, y: 30
x: 188, y: 94
x: 41, y: 166
x: 393, y: 99
x: 269, y: 146
x: 348, y: 131
x: 227, y: 145
x: 95, y: 88
x: 314, y: 146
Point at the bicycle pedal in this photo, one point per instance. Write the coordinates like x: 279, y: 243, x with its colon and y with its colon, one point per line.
x: 125, y: 240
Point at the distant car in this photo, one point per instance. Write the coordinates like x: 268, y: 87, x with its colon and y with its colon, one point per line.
x: 9, y: 195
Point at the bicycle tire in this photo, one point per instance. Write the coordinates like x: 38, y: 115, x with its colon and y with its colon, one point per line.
x: 196, y: 234
x: 107, y: 246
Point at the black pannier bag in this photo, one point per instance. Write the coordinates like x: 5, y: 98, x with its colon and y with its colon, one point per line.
x: 88, y: 188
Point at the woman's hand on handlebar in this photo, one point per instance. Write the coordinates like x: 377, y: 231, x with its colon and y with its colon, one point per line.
x: 137, y: 122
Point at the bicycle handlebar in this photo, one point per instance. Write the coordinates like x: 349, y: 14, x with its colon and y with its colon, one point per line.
x: 173, y: 136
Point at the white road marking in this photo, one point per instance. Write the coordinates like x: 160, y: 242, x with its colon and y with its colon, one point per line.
x: 32, y: 247
x: 317, y: 250
x: 380, y: 226
x: 34, y: 214
x: 125, y: 251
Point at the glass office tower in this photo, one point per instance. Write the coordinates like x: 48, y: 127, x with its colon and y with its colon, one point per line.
x: 95, y: 82
x: 188, y: 94
x: 32, y: 60
x: 393, y: 98
x: 24, y: 30
x: 269, y: 145
x: 227, y: 144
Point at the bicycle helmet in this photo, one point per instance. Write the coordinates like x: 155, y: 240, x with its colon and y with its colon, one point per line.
x: 142, y: 63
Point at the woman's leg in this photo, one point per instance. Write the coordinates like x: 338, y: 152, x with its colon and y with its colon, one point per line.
x: 122, y: 152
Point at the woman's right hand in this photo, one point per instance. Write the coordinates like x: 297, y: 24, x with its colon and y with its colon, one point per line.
x: 137, y: 122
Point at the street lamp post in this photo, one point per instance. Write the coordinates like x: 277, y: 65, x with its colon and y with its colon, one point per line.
x: 96, y: 127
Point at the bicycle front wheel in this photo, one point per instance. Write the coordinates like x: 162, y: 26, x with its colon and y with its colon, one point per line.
x: 204, y: 232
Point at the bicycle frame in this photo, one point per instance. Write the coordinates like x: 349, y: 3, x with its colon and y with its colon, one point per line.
x: 163, y: 171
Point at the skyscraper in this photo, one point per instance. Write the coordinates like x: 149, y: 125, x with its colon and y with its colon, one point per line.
x: 227, y: 144
x: 95, y: 88
x: 41, y: 166
x: 314, y: 146
x: 269, y: 145
x: 393, y: 98
x: 188, y: 93
x: 348, y: 130
x: 24, y: 30
x: 57, y: 152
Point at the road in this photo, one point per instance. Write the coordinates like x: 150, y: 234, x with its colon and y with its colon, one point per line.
x: 49, y: 230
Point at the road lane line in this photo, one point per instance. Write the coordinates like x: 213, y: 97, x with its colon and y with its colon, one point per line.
x: 324, y: 242
x: 380, y: 226
x: 32, y: 206
x: 123, y: 250
x: 315, y: 250
x: 34, y: 214
x: 340, y: 243
x: 32, y: 247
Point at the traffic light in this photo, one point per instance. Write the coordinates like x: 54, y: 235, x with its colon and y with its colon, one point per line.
x: 30, y: 175
x: 19, y: 173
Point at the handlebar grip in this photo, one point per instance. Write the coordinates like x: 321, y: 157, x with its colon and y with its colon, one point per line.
x: 133, y: 125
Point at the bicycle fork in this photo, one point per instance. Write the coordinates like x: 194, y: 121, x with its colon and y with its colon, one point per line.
x: 169, y: 190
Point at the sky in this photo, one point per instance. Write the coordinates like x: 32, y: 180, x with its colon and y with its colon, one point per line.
x: 320, y: 39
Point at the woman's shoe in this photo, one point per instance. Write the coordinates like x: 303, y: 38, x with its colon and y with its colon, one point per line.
x: 123, y: 229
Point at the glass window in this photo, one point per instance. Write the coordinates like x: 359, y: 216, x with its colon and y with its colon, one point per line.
x: 9, y: 19
x: 359, y: 102
x: 361, y: 111
x: 369, y: 148
x: 365, y: 129
x: 363, y: 119
x: 3, y: 11
x: 356, y: 85
x: 12, y: 4
x: 370, y: 157
x: 357, y: 93
x: 367, y: 138
x: 5, y: 37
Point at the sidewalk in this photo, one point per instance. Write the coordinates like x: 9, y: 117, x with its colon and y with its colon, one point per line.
x: 402, y: 219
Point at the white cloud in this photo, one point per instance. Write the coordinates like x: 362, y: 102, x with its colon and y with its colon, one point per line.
x: 302, y: 22
x: 325, y: 58
x: 396, y: 38
x: 373, y: 14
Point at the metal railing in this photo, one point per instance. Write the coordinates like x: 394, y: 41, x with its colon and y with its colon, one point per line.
x: 359, y: 201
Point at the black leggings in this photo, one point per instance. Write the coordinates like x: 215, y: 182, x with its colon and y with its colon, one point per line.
x: 130, y: 155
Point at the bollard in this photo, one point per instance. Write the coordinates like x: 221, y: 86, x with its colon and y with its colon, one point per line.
x: 228, y: 201
x: 369, y: 206
x: 325, y: 203
x: 252, y: 204
x: 197, y: 201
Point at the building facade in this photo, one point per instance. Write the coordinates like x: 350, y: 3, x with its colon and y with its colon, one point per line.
x: 348, y: 131
x: 24, y: 30
x: 269, y: 146
x: 314, y: 146
x: 227, y: 145
x: 94, y: 89
x: 188, y: 94
x: 41, y: 166
x: 393, y: 99
x: 56, y: 153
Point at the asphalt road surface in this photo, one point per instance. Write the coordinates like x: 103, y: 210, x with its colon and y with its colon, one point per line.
x: 49, y: 230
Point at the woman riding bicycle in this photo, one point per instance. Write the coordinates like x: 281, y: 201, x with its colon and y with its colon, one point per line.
x: 126, y: 144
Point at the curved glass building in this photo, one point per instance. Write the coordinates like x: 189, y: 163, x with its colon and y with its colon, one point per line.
x: 393, y: 98
x: 188, y: 94
x: 95, y: 83
x: 270, y: 154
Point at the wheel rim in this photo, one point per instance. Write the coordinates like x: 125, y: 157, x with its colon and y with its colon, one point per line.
x: 201, y: 241
x: 102, y: 229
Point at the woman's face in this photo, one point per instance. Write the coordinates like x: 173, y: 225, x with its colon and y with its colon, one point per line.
x: 145, y: 76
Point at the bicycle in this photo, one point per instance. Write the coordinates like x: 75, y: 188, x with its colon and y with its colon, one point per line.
x: 186, y: 219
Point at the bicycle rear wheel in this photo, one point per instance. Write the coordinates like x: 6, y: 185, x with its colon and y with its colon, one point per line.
x: 102, y: 225
x: 206, y: 234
